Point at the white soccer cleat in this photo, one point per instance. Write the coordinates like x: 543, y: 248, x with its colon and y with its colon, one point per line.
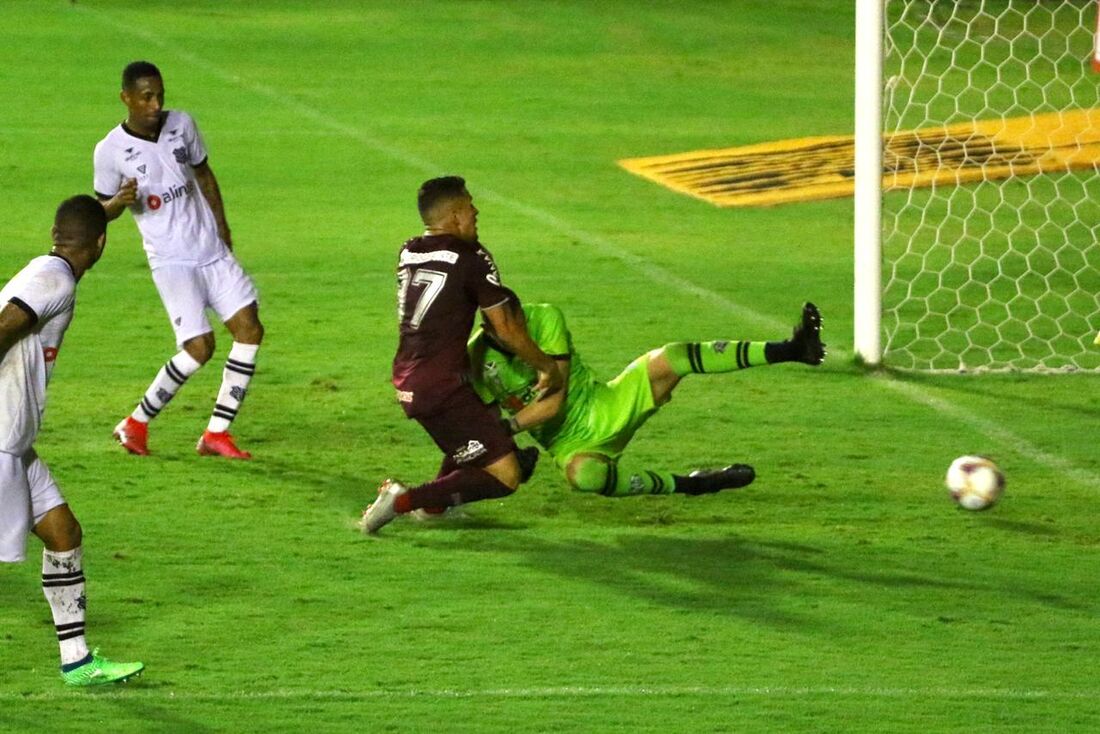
x: 381, y: 512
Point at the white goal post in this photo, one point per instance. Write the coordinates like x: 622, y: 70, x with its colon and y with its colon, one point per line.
x: 977, y: 189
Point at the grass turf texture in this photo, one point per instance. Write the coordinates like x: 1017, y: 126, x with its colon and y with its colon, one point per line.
x: 841, y: 592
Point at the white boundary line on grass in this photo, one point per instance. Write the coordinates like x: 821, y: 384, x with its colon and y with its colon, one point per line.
x: 571, y: 692
x: 654, y: 272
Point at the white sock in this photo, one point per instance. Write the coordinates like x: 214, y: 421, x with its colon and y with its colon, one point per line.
x: 63, y: 585
x: 239, y: 368
x: 165, y: 386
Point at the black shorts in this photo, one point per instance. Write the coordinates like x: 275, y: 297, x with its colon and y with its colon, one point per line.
x: 467, y: 431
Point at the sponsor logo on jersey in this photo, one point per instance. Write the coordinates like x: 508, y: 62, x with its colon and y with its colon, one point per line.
x: 415, y: 258
x: 131, y: 154
x: 175, y: 192
x: 180, y: 153
x: 404, y: 396
x: 469, y: 452
x: 493, y: 276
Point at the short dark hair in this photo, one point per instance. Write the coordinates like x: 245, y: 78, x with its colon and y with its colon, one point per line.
x: 434, y: 191
x: 81, y: 218
x: 138, y: 70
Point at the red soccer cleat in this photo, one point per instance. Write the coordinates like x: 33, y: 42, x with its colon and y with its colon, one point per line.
x: 133, y: 436
x: 220, y: 444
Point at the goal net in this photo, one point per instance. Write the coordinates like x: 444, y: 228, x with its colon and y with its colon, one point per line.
x: 990, y: 214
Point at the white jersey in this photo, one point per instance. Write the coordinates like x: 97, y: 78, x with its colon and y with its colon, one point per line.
x: 46, y: 290
x: 176, y: 222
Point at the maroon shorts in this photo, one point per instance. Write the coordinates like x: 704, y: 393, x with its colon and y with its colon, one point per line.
x: 467, y: 431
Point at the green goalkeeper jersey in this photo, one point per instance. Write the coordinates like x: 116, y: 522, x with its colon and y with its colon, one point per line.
x: 504, y: 378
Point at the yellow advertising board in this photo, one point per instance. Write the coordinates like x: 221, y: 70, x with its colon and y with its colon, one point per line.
x: 805, y: 169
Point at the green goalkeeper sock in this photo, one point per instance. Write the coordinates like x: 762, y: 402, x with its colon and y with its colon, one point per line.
x: 721, y: 356
x: 610, y: 480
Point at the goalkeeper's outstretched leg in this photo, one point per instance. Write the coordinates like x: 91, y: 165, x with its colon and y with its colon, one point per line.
x: 600, y: 474
x: 670, y: 363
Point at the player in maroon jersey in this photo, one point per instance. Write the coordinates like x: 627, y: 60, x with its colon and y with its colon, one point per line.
x: 444, y: 278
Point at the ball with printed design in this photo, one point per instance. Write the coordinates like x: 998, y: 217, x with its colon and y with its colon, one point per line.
x: 975, y: 482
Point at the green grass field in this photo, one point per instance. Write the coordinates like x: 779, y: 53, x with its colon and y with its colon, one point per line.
x: 843, y: 592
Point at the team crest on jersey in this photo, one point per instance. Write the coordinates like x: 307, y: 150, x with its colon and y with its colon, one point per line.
x: 180, y: 153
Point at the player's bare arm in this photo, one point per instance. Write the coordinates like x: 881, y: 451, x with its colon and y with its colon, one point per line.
x: 541, y: 411
x: 127, y: 194
x: 208, y: 184
x: 510, y: 329
x: 15, y: 323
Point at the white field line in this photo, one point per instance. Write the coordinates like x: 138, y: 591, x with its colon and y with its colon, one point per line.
x: 653, y: 272
x: 575, y: 692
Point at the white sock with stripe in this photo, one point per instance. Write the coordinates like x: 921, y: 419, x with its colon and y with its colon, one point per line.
x: 63, y: 585
x: 239, y: 368
x: 165, y: 386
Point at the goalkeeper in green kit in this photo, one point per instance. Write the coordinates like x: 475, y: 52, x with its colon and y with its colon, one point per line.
x: 587, y: 426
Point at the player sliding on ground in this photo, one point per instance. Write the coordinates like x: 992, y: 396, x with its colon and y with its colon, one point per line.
x: 587, y: 426
x: 444, y: 278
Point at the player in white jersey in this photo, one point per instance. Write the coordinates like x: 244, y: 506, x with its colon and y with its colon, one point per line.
x: 155, y: 164
x: 36, y: 307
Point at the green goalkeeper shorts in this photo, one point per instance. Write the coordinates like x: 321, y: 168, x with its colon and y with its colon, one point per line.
x: 614, y: 413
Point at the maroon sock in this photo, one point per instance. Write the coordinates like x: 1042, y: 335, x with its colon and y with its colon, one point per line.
x: 460, y: 487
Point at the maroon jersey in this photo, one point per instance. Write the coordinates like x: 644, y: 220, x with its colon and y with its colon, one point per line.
x: 442, y: 281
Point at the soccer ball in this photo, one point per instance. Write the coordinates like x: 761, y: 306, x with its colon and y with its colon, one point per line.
x: 975, y: 482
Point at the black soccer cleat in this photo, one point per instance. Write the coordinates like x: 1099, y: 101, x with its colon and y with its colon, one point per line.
x: 806, y: 339
x: 709, y: 481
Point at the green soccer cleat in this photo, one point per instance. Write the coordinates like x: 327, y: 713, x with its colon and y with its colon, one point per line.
x: 101, y: 671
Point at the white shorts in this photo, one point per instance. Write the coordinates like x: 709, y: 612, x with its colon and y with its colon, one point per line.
x: 188, y: 290
x: 27, y: 493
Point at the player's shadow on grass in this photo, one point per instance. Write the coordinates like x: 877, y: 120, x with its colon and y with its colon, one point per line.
x: 746, y: 578
x: 160, y: 718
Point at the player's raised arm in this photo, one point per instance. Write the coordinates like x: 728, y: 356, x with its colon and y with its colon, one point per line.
x: 510, y: 329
